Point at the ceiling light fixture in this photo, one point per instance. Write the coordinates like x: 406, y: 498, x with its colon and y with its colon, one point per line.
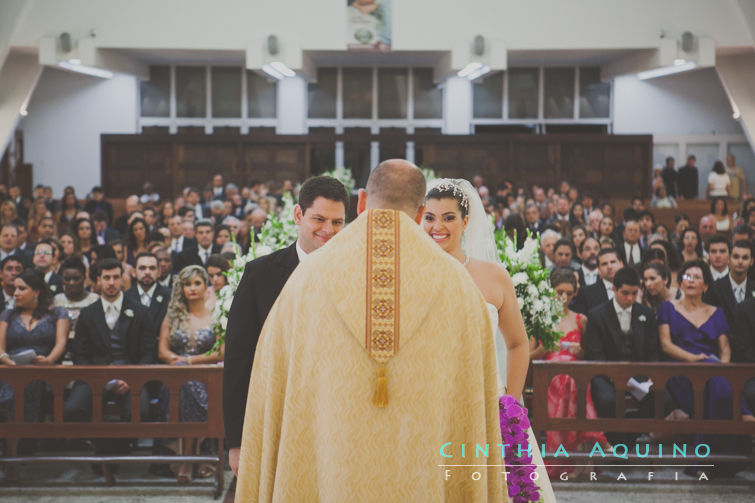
x: 469, y: 69
x: 278, y: 70
x: 75, y: 65
x: 667, y: 70
x: 283, y: 69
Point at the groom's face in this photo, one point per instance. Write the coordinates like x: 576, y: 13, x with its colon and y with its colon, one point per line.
x: 320, y: 222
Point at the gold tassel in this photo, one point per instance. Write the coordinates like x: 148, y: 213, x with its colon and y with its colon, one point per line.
x: 381, y: 391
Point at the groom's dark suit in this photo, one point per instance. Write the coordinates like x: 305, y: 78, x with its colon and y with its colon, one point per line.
x: 605, y: 341
x: 260, y: 286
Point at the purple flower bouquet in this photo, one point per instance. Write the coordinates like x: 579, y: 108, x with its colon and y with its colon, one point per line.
x: 514, y: 426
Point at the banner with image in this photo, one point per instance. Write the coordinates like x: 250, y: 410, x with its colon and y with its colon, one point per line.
x: 368, y: 25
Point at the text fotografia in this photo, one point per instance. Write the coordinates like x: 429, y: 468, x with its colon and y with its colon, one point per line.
x: 619, y: 451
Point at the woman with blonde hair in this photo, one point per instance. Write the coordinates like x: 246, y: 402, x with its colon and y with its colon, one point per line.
x: 186, y: 335
x: 8, y: 212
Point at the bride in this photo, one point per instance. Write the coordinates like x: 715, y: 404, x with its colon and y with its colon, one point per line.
x: 455, y: 219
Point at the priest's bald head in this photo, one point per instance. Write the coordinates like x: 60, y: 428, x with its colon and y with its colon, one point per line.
x: 395, y: 184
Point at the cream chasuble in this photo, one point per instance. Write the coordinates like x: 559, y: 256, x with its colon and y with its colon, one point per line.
x: 377, y: 353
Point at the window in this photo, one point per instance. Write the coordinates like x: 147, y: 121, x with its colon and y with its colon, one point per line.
x: 428, y: 97
x: 594, y: 95
x: 155, y: 93
x: 393, y: 93
x: 323, y: 94
x: 262, y: 95
x: 523, y: 91
x: 357, y: 93
x: 191, y: 91
x: 226, y: 92
x: 488, y: 97
x: 559, y: 93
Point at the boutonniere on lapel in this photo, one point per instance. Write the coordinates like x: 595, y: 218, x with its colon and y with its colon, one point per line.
x: 129, y: 313
x: 642, y: 318
x: 159, y: 298
x: 53, y: 288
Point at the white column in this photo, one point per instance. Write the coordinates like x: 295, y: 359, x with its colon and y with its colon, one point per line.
x: 457, y: 106
x: 292, y: 106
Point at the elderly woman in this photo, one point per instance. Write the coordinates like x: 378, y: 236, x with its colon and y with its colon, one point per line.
x: 692, y: 331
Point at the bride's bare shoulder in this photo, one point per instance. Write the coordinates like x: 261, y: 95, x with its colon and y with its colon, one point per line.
x: 490, y: 269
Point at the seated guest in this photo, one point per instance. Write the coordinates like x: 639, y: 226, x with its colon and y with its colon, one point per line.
x: 630, y: 249
x: 98, y: 204
x: 204, y: 232
x: 34, y: 324
x: 606, y: 229
x: 10, y: 268
x: 692, y: 331
x: 46, y: 228
x: 718, y: 256
x: 547, y: 241
x: 656, y: 285
x: 102, y: 231
x: 646, y: 220
x: 186, y: 335
x: 735, y: 286
x: 742, y: 233
x: 671, y: 257
x: 602, y: 290
x: 743, y: 345
x: 562, y: 392
x: 719, y: 211
x: 222, y: 234
x: 146, y: 291
x: 661, y: 198
x: 165, y: 264
x: 9, y: 244
x: 136, y: 239
x: 74, y: 297
x: 621, y: 330
x: 692, y: 245
x: 83, y: 237
x: 44, y: 261
x: 593, y: 222
x: 563, y: 254
x: 588, y: 253
x: 112, y: 331
x: 578, y: 234
x: 707, y: 228
x: 681, y: 222
x: 216, y: 266
x: 532, y: 218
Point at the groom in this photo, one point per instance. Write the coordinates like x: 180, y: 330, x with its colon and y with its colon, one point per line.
x: 364, y: 369
x: 320, y: 215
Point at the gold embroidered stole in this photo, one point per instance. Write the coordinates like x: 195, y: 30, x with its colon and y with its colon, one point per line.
x: 382, y: 310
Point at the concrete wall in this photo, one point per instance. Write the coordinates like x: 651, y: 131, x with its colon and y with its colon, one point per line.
x: 67, y: 114
x: 691, y: 103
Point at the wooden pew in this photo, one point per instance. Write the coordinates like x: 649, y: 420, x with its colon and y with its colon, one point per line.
x: 137, y: 376
x: 659, y: 372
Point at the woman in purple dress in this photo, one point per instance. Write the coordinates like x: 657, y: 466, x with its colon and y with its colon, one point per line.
x: 693, y: 331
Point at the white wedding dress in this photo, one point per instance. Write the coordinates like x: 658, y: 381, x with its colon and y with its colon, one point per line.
x: 501, y: 355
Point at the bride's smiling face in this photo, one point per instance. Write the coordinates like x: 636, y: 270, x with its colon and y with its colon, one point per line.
x: 443, y: 222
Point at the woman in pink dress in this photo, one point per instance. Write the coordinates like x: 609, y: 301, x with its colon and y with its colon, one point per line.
x: 562, y: 392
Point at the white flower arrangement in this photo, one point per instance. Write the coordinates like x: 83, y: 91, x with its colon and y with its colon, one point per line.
x: 429, y: 174
x: 541, y: 311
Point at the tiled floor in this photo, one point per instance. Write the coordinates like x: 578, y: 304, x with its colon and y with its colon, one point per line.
x: 76, y: 483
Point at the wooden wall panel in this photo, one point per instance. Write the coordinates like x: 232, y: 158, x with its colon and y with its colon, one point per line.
x: 607, y: 165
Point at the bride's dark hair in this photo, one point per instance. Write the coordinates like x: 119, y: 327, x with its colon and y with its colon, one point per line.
x: 447, y: 190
